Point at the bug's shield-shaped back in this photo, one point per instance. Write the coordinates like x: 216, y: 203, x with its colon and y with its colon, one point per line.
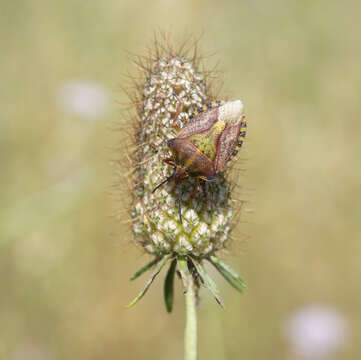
x: 226, y: 144
x: 199, y: 124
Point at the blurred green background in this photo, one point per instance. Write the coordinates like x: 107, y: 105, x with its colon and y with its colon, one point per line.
x: 65, y: 265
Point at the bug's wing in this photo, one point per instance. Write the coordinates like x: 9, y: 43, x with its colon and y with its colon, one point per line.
x: 193, y: 160
x: 225, y: 146
x: 200, y: 123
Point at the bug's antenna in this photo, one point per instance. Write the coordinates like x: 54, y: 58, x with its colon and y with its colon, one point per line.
x: 163, y: 182
x: 180, y: 203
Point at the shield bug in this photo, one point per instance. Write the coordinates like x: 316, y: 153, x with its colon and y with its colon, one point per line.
x: 205, y: 144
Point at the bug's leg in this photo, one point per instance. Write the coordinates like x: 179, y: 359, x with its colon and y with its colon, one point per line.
x: 210, y: 191
x: 169, y: 161
x: 180, y: 104
x: 197, y: 188
x: 180, y: 203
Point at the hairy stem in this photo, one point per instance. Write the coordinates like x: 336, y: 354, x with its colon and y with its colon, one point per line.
x: 190, y: 331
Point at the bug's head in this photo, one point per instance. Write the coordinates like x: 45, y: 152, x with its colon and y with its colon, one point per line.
x: 172, y: 146
x: 231, y: 112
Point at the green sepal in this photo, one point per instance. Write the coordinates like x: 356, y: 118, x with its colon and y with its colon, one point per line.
x: 144, y: 268
x: 228, y: 273
x: 159, y: 267
x: 169, y: 286
x: 184, y: 272
x: 208, y: 282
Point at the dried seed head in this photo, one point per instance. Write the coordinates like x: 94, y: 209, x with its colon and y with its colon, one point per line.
x: 206, y: 215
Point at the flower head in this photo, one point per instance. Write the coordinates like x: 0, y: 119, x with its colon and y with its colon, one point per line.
x: 181, y: 206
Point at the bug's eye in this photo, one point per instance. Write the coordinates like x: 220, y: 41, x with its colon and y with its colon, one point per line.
x: 170, y: 142
x: 235, y: 152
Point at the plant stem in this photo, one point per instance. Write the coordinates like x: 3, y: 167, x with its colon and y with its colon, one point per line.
x: 190, y: 331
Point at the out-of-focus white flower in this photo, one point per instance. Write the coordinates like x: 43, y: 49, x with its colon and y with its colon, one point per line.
x: 317, y: 331
x: 84, y: 98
